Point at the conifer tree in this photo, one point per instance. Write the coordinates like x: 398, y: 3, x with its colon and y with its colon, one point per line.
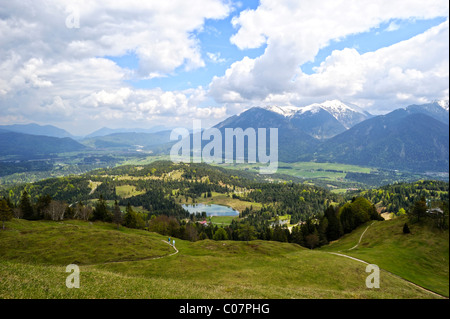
x: 25, y: 206
x: 6, y: 213
x: 406, y: 229
x: 117, y: 214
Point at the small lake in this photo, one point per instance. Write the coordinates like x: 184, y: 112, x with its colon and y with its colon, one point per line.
x: 211, y: 210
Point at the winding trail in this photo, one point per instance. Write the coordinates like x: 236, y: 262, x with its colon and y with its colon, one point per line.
x: 141, y: 259
x: 360, y: 238
x: 397, y: 276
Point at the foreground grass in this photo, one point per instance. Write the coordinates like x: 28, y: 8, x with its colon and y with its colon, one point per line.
x: 204, y: 269
x: 82, y: 243
x: 421, y: 257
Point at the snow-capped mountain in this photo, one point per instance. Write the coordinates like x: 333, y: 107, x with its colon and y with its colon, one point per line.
x: 347, y: 114
x: 437, y: 109
x: 443, y: 104
x: 286, y: 111
x: 406, y: 138
x: 322, y: 120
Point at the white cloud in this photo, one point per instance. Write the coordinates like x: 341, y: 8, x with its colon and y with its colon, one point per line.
x: 158, y: 32
x: 392, y: 27
x: 127, y: 104
x: 51, y: 72
x: 294, y: 32
x: 215, y: 57
x: 410, y: 71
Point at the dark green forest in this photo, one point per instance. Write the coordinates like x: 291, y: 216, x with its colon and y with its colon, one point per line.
x: 316, y: 215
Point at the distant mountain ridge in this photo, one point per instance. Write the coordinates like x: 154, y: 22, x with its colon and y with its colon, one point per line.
x: 128, y: 140
x: 104, y: 131
x: 36, y: 129
x: 438, y: 110
x: 32, y: 146
x: 414, y: 138
x: 400, y: 139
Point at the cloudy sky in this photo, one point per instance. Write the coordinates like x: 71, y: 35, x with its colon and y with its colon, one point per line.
x: 83, y: 64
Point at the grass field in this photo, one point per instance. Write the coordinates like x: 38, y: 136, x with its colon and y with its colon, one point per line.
x: 222, y: 220
x: 118, y: 264
x: 421, y: 257
x: 308, y: 170
x: 126, y: 191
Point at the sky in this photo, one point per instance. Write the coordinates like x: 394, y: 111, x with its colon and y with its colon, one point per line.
x: 81, y: 64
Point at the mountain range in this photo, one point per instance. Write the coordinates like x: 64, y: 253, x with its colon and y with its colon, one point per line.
x: 400, y: 139
x: 104, y: 131
x: 127, y: 140
x: 323, y: 120
x: 412, y: 138
x: 28, y: 146
x: 36, y: 129
x: 415, y: 138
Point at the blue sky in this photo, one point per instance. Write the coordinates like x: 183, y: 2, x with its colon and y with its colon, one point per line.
x: 215, y: 39
x: 376, y: 38
x: 215, y: 36
x: 135, y: 63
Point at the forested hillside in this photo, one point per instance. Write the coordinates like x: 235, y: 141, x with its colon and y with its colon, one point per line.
x: 151, y: 197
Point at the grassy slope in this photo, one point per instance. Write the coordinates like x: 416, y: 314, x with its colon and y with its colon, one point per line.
x: 78, y: 242
x: 421, y: 257
x: 33, y: 257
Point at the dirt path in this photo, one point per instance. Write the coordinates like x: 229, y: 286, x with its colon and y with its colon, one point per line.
x: 141, y: 259
x: 360, y: 238
x: 397, y: 276
x: 93, y: 188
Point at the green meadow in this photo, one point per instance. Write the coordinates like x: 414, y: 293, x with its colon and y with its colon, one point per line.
x: 127, y: 263
x: 421, y: 256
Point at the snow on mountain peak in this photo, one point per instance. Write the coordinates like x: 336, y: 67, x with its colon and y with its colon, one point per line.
x: 339, y: 106
x: 286, y: 111
x: 334, y: 107
x: 443, y: 104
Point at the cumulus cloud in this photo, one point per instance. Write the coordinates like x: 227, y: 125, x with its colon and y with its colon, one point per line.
x: 392, y: 27
x: 158, y: 32
x: 215, y: 57
x: 54, y: 54
x: 411, y: 71
x: 181, y: 107
x: 55, y: 58
x: 294, y: 32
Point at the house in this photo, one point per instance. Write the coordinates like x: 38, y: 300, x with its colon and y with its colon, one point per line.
x: 435, y: 211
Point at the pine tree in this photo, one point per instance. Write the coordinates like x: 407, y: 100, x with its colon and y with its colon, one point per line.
x: 297, y: 236
x: 246, y: 232
x: 419, y: 209
x: 130, y: 217
x: 117, y: 214
x: 25, y: 206
x: 220, y: 234
x: 406, y: 229
x: 322, y: 230
x: 6, y: 213
x: 334, y: 229
x: 101, y: 210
